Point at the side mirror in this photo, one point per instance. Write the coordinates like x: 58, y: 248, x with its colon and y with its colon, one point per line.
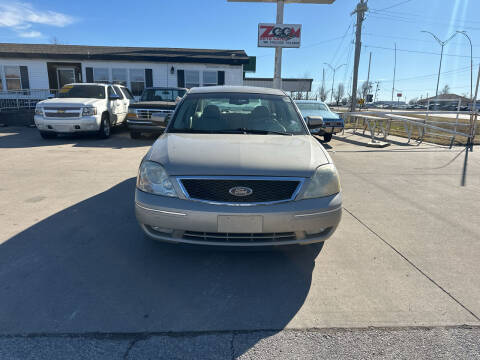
x: 314, y: 122
x: 159, y: 118
x: 114, y: 97
x: 50, y: 96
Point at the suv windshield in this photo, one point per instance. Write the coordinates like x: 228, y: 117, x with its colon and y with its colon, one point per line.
x: 161, y: 94
x: 82, y: 91
x: 312, y: 106
x: 237, y: 113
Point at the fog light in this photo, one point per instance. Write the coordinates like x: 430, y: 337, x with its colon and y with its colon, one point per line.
x: 162, y: 230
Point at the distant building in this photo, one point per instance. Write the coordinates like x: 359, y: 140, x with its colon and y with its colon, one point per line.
x: 444, y: 98
x: 291, y: 85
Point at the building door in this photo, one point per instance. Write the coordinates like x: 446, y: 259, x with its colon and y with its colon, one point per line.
x: 65, y: 76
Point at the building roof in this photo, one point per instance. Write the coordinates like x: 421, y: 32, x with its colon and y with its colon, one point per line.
x: 235, y: 89
x: 122, y: 53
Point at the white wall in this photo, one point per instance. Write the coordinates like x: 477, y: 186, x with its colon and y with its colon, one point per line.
x: 38, y: 74
x: 37, y: 71
x: 161, y: 71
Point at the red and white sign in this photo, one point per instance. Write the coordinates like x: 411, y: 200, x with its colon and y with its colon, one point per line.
x: 399, y: 94
x: 279, y: 35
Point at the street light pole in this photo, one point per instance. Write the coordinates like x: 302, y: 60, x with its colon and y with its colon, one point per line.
x: 333, y: 81
x: 442, y: 44
x: 471, y: 61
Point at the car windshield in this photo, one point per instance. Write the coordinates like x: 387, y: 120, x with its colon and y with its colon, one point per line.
x: 237, y: 113
x: 162, y: 94
x: 82, y: 91
x: 312, y: 106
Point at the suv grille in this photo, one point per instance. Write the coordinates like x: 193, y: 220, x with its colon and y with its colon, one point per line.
x: 58, y: 112
x: 219, y: 190
x: 146, y: 114
x: 236, y: 237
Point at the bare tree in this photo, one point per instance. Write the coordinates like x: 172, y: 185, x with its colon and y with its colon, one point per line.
x: 445, y: 90
x: 339, y: 93
x: 413, y: 101
x: 322, y: 93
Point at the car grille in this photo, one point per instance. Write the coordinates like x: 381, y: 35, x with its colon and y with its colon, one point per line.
x: 146, y: 114
x: 239, y: 238
x: 61, y: 112
x: 218, y: 190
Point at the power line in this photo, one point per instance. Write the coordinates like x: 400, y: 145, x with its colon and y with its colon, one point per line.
x: 410, y: 39
x: 395, y: 5
x: 417, y: 51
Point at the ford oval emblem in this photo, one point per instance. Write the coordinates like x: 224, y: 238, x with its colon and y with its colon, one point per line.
x: 240, y: 191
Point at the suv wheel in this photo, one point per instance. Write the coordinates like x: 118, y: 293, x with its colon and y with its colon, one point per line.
x: 327, y: 137
x: 105, y: 127
x: 48, y: 134
x: 135, y: 134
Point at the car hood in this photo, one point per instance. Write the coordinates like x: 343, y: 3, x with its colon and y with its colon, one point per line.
x: 323, y: 113
x: 238, y: 154
x: 70, y: 102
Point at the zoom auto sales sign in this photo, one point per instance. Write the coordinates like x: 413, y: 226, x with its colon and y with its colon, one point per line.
x: 279, y: 35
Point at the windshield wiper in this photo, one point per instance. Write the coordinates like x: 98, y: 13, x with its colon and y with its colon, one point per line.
x: 262, y: 132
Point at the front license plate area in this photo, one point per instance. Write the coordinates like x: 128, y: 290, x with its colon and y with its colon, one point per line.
x: 240, y: 224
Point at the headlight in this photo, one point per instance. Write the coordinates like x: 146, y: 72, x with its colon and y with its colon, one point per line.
x: 132, y: 114
x: 153, y: 178
x: 39, y: 111
x: 324, y: 182
x: 88, y: 111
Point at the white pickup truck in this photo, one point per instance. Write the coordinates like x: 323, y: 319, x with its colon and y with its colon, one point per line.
x: 83, y: 107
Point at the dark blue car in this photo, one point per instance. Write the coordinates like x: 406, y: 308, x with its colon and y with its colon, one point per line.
x: 332, y: 123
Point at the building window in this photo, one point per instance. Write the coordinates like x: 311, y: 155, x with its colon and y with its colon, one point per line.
x: 119, y: 76
x: 100, y: 75
x: 13, y: 78
x: 192, y: 78
x: 137, y: 81
x: 210, y: 78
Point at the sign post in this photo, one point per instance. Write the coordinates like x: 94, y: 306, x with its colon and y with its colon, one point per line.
x: 277, y: 77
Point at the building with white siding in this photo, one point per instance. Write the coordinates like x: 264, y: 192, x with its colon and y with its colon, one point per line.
x: 28, y: 68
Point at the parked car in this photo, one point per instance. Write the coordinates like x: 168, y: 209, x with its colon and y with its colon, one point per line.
x: 236, y: 166
x: 83, y: 107
x: 332, y: 123
x: 157, y: 99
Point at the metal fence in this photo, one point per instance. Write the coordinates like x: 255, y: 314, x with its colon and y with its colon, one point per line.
x: 415, y: 124
x: 23, y: 99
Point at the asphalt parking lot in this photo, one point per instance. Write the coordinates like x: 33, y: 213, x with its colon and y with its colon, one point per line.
x: 399, y: 278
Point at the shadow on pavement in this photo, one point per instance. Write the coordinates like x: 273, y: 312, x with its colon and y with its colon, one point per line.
x: 88, y: 269
x: 24, y: 137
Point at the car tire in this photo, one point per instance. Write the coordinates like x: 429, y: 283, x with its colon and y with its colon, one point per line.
x: 135, y: 134
x: 48, y: 134
x: 327, y: 138
x: 105, y: 127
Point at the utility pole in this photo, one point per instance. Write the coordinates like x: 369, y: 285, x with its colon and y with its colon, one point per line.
x: 394, y: 71
x: 376, y: 90
x: 277, y: 75
x: 360, y: 11
x: 368, y: 77
x: 323, y: 83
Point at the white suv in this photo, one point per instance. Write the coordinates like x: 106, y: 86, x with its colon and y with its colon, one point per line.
x: 83, y: 107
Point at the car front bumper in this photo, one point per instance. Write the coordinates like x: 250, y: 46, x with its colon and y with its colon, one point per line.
x: 146, y: 126
x: 198, y: 223
x: 82, y: 124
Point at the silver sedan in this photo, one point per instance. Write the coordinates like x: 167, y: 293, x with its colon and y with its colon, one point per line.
x: 237, y: 166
